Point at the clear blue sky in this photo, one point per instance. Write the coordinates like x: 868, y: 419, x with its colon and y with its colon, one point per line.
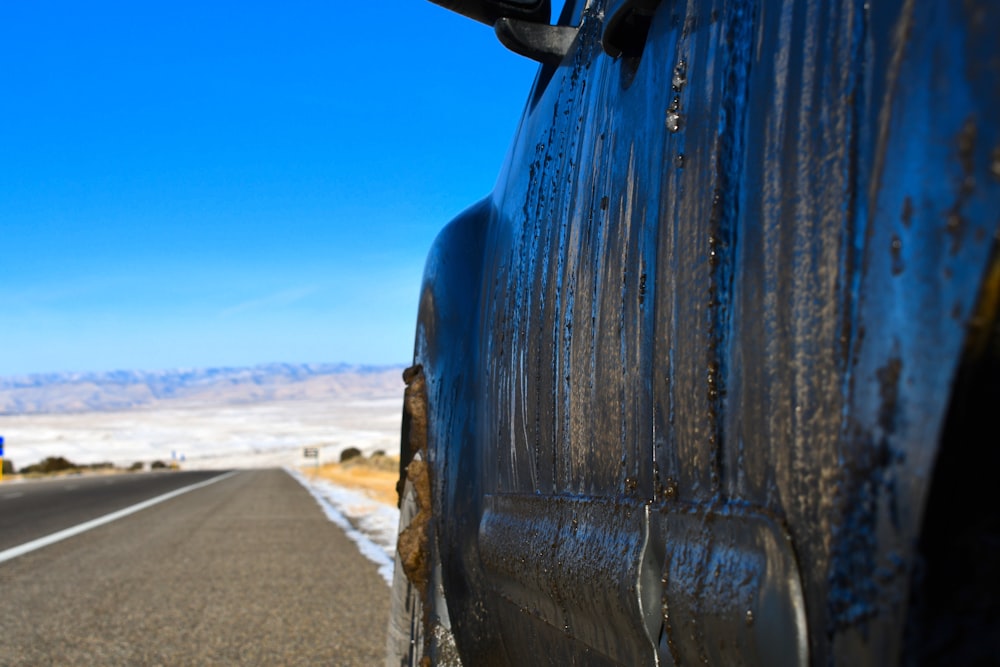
x: 187, y: 184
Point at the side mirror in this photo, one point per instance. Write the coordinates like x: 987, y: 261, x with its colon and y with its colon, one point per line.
x: 521, y: 25
x: 491, y: 11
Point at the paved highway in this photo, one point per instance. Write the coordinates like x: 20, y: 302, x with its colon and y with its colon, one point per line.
x: 244, y: 571
x: 30, y: 510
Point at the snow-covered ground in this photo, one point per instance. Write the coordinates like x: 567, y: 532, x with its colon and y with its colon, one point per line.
x: 259, y: 435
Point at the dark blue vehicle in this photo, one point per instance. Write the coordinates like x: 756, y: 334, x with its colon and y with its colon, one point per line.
x: 712, y: 376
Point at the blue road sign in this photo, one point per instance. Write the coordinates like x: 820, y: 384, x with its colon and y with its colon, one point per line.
x: 1, y: 446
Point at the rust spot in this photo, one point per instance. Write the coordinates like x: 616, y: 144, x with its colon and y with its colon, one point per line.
x: 713, y: 247
x: 907, y: 212
x: 888, y: 378
x: 955, y: 225
x: 966, y: 153
x: 967, y: 145
x: 897, y: 255
x: 712, y: 379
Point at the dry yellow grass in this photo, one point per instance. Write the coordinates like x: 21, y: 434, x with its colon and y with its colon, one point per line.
x: 74, y: 472
x: 376, y: 478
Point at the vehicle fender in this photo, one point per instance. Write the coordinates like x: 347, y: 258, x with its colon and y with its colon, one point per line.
x: 447, y: 350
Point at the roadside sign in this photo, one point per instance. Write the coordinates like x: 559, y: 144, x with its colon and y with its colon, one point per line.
x: 1, y: 446
x: 312, y: 453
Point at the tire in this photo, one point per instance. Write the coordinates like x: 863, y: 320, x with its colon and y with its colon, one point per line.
x: 419, y: 626
x: 406, y: 623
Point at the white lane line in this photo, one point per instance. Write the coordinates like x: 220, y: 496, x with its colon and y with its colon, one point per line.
x: 28, y: 547
x: 12, y: 495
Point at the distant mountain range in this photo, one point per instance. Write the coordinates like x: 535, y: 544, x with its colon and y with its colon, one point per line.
x: 121, y: 390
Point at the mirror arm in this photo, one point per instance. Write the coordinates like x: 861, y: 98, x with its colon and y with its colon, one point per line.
x: 489, y: 11
x: 547, y: 44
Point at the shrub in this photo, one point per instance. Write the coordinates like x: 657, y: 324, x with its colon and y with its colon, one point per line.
x: 8, y: 467
x: 138, y: 465
x: 50, y: 465
x: 349, y: 453
x: 158, y: 465
x: 380, y: 461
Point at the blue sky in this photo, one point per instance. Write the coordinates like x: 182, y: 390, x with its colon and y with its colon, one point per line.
x: 203, y: 184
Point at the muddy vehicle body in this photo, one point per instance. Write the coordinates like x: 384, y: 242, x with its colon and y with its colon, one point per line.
x: 710, y: 377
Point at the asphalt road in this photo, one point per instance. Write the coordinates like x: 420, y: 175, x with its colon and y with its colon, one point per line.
x: 246, y: 571
x: 30, y: 510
